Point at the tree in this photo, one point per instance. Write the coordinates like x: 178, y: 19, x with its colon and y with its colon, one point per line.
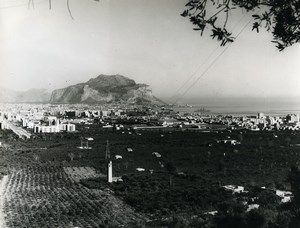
x: 282, y: 219
x: 281, y: 17
x: 230, y: 214
x: 294, y: 179
x: 268, y: 199
x: 256, y: 218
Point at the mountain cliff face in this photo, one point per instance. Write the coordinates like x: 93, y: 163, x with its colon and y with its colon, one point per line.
x: 105, y: 89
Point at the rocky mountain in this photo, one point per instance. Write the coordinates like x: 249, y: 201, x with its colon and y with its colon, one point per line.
x: 29, y: 96
x: 105, y: 89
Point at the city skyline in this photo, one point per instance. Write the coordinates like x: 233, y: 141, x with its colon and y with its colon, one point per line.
x: 148, y: 42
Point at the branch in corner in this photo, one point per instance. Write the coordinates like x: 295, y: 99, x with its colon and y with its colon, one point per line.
x: 68, y: 6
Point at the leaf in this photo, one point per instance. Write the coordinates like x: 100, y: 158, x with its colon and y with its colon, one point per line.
x: 232, y: 39
x: 256, y: 26
x: 184, y: 13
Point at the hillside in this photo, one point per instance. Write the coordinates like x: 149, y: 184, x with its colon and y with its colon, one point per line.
x: 105, y: 89
x: 29, y: 96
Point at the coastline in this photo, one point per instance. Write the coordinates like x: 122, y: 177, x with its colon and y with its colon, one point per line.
x: 239, y: 110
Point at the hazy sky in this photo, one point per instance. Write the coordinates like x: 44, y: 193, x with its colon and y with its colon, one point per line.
x: 146, y: 40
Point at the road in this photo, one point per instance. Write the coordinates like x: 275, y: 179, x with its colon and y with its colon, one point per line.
x: 17, y: 130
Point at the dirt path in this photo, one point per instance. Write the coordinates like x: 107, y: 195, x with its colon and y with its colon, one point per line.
x: 3, y: 184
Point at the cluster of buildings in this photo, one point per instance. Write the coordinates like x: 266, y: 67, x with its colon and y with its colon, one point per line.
x: 51, y: 124
x: 24, y: 121
x: 251, y: 122
x: 47, y: 118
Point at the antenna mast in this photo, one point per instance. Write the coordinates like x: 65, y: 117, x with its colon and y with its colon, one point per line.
x: 107, y: 151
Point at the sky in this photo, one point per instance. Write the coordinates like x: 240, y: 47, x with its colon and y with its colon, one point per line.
x: 145, y: 40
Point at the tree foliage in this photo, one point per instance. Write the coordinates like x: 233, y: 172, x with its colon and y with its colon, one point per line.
x: 294, y: 179
x: 281, y: 17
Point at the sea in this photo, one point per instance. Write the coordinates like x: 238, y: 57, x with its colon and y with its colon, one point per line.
x: 268, y: 108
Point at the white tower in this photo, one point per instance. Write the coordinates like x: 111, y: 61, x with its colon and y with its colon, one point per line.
x: 109, y: 172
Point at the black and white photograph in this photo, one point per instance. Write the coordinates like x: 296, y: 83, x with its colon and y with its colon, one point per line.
x: 149, y: 113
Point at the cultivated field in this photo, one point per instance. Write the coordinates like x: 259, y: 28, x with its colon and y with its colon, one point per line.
x: 46, y: 196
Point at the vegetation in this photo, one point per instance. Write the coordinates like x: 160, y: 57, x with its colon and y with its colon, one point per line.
x: 282, y: 18
x: 44, y: 196
x: 198, y: 164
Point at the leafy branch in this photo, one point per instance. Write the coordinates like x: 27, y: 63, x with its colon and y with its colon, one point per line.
x: 282, y: 18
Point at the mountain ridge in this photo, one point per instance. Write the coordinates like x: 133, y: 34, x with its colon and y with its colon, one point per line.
x: 105, y: 89
x: 101, y: 89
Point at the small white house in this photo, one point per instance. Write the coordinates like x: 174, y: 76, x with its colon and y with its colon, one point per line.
x: 234, y: 188
x: 285, y: 196
x: 117, y: 179
x: 158, y: 155
x: 213, y: 213
x: 252, y: 206
x: 107, y: 126
x: 229, y: 141
x: 140, y: 169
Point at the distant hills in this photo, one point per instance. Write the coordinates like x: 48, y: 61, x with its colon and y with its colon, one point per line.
x: 29, y: 96
x: 102, y: 89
